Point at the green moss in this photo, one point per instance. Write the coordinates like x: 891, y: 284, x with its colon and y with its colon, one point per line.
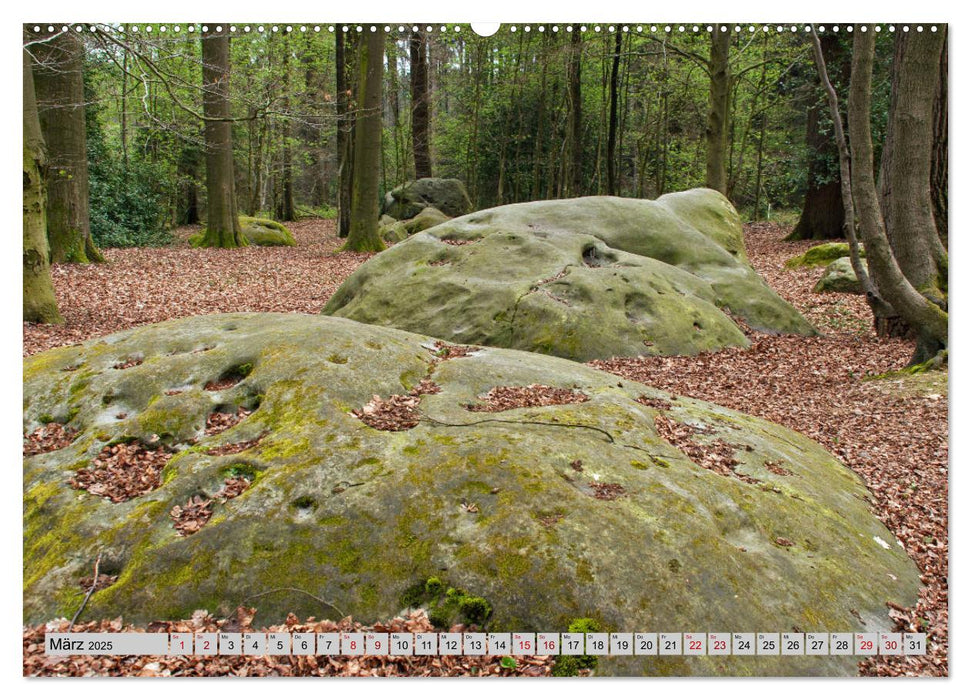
x: 337, y: 359
x: 822, y: 254
x: 572, y: 665
x: 638, y: 465
x: 281, y: 448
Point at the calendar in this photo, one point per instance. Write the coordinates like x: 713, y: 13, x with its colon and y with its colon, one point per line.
x: 487, y: 644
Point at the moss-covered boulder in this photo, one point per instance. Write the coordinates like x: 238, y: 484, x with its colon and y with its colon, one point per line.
x: 822, y: 254
x: 448, y: 195
x: 586, y: 278
x: 393, y: 231
x: 426, y: 219
x: 382, y: 468
x: 261, y: 232
x: 840, y: 277
x: 265, y: 232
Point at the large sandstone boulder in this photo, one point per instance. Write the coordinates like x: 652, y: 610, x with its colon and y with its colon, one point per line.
x: 586, y: 278
x: 839, y: 276
x: 448, y: 195
x: 363, y: 478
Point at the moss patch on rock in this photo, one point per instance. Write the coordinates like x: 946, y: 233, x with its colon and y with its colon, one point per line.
x: 485, y: 504
x: 823, y: 254
x: 588, y: 278
x: 264, y: 232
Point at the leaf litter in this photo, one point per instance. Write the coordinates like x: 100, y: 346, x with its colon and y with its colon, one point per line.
x: 897, y: 442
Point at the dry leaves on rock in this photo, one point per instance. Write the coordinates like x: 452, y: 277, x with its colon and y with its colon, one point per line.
x: 607, y: 492
x: 717, y: 456
x: 505, y: 398
x: 48, y: 438
x: 190, y: 518
x: 218, y: 422
x: 447, y: 351
x: 398, y: 411
x: 122, y: 472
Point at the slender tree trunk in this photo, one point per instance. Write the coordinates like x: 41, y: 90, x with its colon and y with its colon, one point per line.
x: 222, y: 219
x: 845, y: 183
x: 926, y: 318
x: 716, y: 134
x: 256, y: 196
x: 59, y: 89
x: 905, y: 172
x: 612, y: 126
x: 40, y: 304
x: 536, y: 185
x: 363, y: 234
x: 418, y: 48
x: 345, y: 135
x: 124, y: 111
x: 285, y: 208
x: 575, y: 165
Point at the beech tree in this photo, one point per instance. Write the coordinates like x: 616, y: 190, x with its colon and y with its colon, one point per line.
x: 716, y: 133
x: 40, y: 305
x: 907, y: 200
x: 222, y: 220
x: 59, y: 89
x: 345, y: 132
x: 368, y: 127
x: 575, y: 125
x: 905, y: 181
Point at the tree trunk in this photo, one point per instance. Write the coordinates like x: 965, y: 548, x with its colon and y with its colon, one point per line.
x: 285, y: 208
x: 40, y: 304
x: 574, y: 96
x: 905, y: 171
x: 363, y: 234
x: 59, y: 86
x: 222, y: 219
x: 418, y: 47
x: 822, y: 209
x: 927, y: 319
x: 716, y: 133
x: 612, y: 125
x: 345, y: 135
x: 939, y: 166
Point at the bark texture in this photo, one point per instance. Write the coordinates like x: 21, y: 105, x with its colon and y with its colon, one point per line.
x: 927, y: 319
x: 905, y: 172
x: 363, y: 234
x: 716, y: 133
x: 222, y: 219
x: 345, y: 134
x: 40, y: 304
x: 59, y: 90
x: 575, y: 128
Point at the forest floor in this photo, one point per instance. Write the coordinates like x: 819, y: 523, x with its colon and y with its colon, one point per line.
x: 892, y: 431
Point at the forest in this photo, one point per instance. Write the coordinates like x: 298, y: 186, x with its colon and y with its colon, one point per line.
x: 620, y: 215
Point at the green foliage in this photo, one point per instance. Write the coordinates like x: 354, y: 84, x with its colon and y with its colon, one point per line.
x: 507, y: 662
x: 126, y: 207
